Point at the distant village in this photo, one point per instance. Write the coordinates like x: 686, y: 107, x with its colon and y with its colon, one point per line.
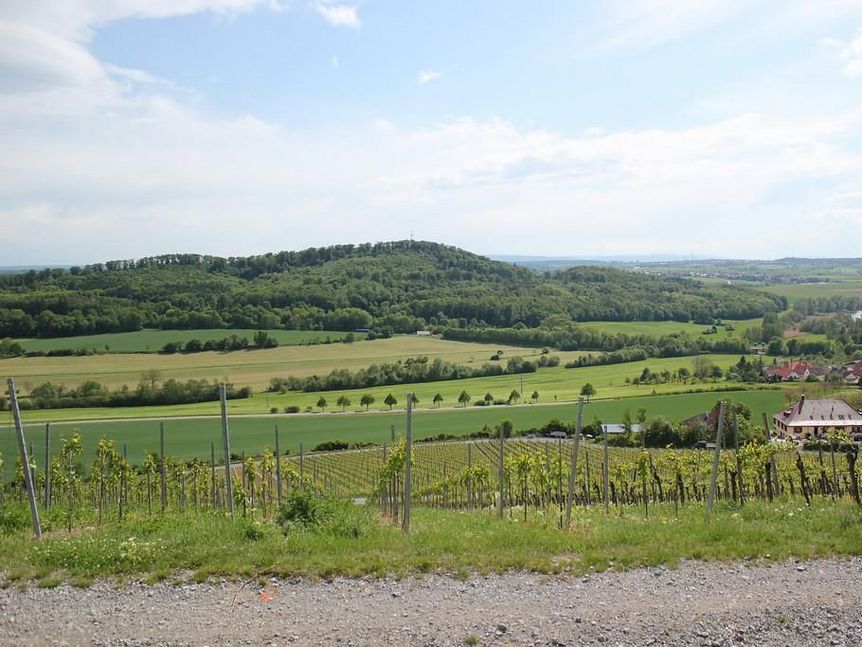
x: 849, y: 373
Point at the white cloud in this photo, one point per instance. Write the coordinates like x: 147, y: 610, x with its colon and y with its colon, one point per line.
x: 101, y: 172
x: 32, y: 59
x: 136, y: 76
x: 337, y: 14
x: 647, y: 23
x: 642, y: 24
x: 76, y: 18
x: 426, y: 76
x: 850, y: 52
x: 156, y: 176
x: 45, y: 64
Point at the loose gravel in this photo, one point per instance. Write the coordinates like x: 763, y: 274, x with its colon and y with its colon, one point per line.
x: 794, y: 603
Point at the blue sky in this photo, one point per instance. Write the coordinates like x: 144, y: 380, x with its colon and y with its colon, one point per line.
x: 716, y: 128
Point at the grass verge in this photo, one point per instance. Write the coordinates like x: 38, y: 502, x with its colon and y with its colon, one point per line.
x: 358, y: 543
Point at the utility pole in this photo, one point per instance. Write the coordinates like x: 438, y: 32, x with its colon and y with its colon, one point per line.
x: 225, y: 430
x: 25, y: 462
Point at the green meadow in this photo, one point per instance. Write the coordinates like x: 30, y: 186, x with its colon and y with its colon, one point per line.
x: 555, y: 384
x: 796, y: 291
x: 253, y: 368
x: 152, y: 341
x: 187, y: 438
x: 444, y: 541
x: 660, y: 328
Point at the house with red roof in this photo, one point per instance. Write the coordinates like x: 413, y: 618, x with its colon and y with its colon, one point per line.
x: 788, y: 372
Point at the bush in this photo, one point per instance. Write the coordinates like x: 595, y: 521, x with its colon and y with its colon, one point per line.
x: 292, y: 409
x: 305, y: 510
x: 14, y: 518
x: 825, y: 445
x: 301, y: 506
x: 273, y: 410
x: 331, y: 446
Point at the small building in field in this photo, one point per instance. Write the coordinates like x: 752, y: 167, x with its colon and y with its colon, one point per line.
x: 423, y: 333
x: 816, y: 418
x: 621, y: 428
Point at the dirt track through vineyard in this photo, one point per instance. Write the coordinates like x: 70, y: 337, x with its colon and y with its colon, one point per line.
x: 808, y: 603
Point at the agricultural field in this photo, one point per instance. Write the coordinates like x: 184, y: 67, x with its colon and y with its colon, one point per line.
x: 660, y: 328
x: 251, y: 367
x: 188, y: 438
x: 557, y: 384
x: 796, y: 291
x: 152, y: 341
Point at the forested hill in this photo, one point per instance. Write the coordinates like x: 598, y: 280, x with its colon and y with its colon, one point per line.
x: 400, y: 286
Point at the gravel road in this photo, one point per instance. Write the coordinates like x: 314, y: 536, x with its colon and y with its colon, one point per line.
x: 795, y: 603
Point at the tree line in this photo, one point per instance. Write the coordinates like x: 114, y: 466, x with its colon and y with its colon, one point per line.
x: 149, y: 391
x: 391, y: 287
x: 409, y: 371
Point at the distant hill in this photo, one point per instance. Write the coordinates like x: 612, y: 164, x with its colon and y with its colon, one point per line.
x: 781, y: 270
x: 556, y: 263
x: 396, y: 286
x: 18, y: 269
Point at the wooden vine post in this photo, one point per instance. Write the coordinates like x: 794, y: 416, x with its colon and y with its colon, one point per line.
x: 162, y: 474
x: 854, y: 478
x: 277, y: 468
x: 48, y: 466
x: 715, y: 457
x: 501, y: 473
x: 25, y: 462
x: 573, y: 470
x: 408, y: 472
x: 606, y: 468
x: 739, y: 480
x: 225, y: 430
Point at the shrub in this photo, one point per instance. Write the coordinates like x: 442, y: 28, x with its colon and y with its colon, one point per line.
x: 331, y: 446
x: 273, y: 410
x: 303, y: 509
x: 292, y: 409
x: 14, y: 518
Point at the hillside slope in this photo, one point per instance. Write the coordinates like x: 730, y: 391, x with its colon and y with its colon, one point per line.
x: 400, y: 286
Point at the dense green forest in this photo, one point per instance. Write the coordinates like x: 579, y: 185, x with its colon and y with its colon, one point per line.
x: 393, y: 287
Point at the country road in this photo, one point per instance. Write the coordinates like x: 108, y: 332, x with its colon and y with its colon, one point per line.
x: 806, y: 603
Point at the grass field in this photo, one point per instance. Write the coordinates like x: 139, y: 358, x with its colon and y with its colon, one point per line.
x: 796, y: 291
x: 206, y: 545
x: 562, y: 383
x: 659, y: 328
x: 253, y: 367
x: 152, y: 341
x: 192, y: 437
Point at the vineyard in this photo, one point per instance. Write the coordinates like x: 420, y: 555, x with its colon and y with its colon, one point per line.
x: 535, y: 477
